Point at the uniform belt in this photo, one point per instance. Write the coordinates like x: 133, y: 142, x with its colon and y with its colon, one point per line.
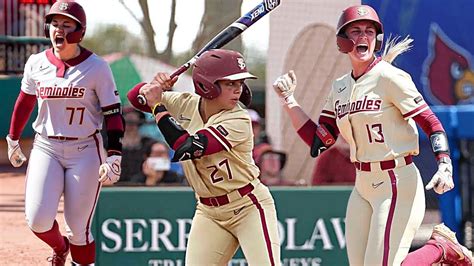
x: 383, y: 165
x: 70, y: 138
x: 225, y: 199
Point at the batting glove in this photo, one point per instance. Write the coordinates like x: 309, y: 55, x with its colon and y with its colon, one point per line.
x: 16, y: 157
x: 285, y: 86
x: 442, y: 180
x: 109, y: 171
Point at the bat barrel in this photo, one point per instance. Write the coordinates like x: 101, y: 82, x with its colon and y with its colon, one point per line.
x: 227, y: 35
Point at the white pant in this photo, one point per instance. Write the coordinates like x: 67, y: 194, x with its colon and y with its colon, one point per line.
x: 69, y: 167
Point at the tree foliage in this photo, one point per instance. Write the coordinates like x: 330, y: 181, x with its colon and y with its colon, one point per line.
x: 108, y: 39
x: 218, y: 14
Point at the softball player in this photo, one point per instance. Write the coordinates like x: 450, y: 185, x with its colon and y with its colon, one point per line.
x: 212, y: 136
x: 75, y: 92
x: 374, y: 108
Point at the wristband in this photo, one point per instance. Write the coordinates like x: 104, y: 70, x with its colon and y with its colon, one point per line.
x: 158, y: 108
x: 444, y: 160
x: 439, y: 143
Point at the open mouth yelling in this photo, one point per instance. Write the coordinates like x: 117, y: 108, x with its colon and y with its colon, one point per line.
x: 59, y: 40
x: 362, y: 48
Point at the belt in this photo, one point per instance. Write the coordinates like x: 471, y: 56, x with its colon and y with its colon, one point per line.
x: 383, y: 165
x: 71, y: 138
x: 225, y: 199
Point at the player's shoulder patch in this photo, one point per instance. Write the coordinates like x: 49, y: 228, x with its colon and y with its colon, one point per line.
x: 222, y: 130
x: 418, y: 99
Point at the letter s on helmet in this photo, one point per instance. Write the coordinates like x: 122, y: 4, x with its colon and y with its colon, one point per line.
x: 220, y: 64
x: 352, y: 14
x: 72, y: 10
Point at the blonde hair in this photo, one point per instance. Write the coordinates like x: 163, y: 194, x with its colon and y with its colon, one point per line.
x: 395, y: 47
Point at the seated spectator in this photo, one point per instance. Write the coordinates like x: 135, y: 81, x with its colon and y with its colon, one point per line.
x: 326, y: 172
x: 156, y: 168
x: 271, y: 164
x: 259, y: 136
x: 133, y: 144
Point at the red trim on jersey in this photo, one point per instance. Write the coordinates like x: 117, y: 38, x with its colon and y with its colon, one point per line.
x: 376, y: 61
x: 266, y: 235
x: 213, y: 145
x: 414, y: 110
x: 391, y: 211
x: 132, y: 98
x: 222, y: 138
x: 62, y: 66
x: 327, y: 112
x: 307, y: 131
x: 21, y: 113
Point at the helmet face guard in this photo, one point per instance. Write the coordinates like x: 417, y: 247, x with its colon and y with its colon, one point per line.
x: 353, y: 14
x: 218, y: 64
x: 71, y: 10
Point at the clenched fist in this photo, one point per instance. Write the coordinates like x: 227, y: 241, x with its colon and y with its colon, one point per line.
x: 15, y: 155
x: 152, y: 91
x: 442, y: 180
x: 285, y: 86
x: 110, y: 171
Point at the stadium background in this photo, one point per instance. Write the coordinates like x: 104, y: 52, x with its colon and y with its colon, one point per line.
x: 301, y: 38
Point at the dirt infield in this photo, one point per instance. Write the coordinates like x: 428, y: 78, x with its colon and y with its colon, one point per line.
x: 18, y: 244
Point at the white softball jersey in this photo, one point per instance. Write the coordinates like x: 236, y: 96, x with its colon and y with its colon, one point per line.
x: 69, y: 101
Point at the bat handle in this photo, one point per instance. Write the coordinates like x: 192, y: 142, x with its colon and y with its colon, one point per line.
x: 180, y: 70
x: 142, y: 100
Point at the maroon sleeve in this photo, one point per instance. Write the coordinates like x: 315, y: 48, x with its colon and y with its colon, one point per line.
x: 307, y: 131
x: 115, y: 128
x: 132, y: 98
x: 213, y: 145
x: 428, y: 121
x: 21, y: 113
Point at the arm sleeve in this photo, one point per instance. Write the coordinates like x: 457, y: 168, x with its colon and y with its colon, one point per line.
x: 430, y: 124
x: 132, y: 98
x: 115, y: 127
x: 21, y: 113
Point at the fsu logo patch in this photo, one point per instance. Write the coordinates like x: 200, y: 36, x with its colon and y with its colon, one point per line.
x: 361, y: 11
x: 63, y: 6
x: 222, y: 130
x: 241, y: 63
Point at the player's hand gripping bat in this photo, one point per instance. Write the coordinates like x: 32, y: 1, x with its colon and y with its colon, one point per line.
x: 227, y: 35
